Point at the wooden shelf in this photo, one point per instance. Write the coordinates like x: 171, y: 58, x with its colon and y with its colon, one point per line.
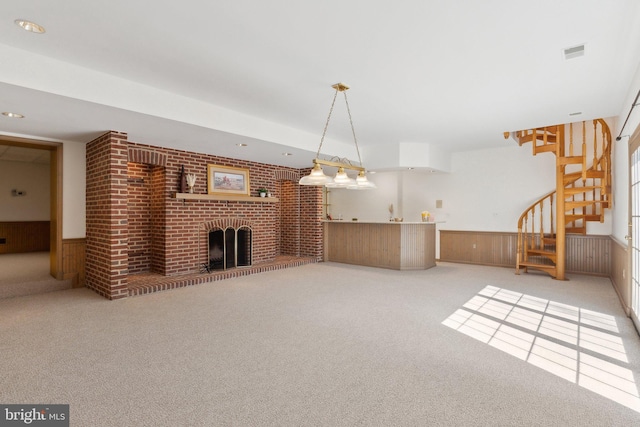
x: 225, y: 197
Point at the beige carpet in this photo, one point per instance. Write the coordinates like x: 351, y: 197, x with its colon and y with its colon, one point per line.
x: 330, y: 345
x: 27, y: 274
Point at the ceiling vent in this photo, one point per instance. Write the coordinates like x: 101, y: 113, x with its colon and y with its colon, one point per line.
x: 574, y: 52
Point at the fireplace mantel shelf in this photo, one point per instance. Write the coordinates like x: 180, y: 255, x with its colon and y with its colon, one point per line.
x: 226, y: 197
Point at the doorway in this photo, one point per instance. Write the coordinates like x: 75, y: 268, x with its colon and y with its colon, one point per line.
x: 55, y: 195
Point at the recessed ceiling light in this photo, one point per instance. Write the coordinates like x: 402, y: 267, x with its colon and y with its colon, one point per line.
x: 287, y: 154
x: 29, y: 26
x: 574, y: 52
x: 241, y: 145
x: 12, y: 115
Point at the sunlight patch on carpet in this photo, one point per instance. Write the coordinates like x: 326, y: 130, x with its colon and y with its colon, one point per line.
x: 579, y: 345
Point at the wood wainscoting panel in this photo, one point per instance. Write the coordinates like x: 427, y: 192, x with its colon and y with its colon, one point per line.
x: 364, y: 244
x: 620, y: 277
x: 73, y: 261
x: 589, y: 254
x: 478, y: 247
x: 24, y: 236
x: 398, y: 246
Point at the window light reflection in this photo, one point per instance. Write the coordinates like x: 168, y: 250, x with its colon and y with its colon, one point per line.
x: 578, y: 345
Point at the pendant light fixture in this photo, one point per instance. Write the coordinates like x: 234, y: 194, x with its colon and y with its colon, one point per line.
x: 341, y: 179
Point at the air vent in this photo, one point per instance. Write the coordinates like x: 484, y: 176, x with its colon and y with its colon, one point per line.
x: 574, y: 52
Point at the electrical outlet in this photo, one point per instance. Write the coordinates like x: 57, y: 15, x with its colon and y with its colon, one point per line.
x: 474, y: 246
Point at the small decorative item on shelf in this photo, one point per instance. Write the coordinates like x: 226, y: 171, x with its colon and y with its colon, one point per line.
x: 426, y: 216
x: 191, y: 181
x: 391, y: 212
x: 262, y: 192
x: 183, y: 181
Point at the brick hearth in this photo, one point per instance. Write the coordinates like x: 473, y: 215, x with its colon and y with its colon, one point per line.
x: 146, y: 283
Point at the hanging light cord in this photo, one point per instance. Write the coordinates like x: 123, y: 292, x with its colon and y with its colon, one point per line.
x: 353, y: 131
x: 326, y: 125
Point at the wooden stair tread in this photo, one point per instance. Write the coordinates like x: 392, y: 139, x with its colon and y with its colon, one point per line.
x: 541, y: 252
x: 551, y: 138
x: 549, y: 269
x: 545, y: 148
x: 570, y: 160
x: 577, y: 217
x: 580, y: 190
x: 576, y: 230
x: 569, y: 205
x: 575, y: 176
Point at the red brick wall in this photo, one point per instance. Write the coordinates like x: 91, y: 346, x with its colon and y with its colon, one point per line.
x: 107, y: 230
x: 139, y: 213
x: 173, y: 239
x: 311, y: 233
x: 158, y: 202
x: 289, y: 218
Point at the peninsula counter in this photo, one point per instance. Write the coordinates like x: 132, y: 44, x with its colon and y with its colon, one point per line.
x: 394, y: 245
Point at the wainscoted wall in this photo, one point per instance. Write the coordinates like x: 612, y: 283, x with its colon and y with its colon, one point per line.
x: 585, y: 254
x: 28, y: 236
x: 620, y: 269
x: 73, y: 259
x: 479, y: 247
x: 589, y: 254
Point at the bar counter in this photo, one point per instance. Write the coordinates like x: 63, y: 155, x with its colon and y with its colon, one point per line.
x: 393, y: 245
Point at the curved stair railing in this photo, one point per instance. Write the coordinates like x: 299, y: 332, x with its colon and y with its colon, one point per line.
x: 583, y: 192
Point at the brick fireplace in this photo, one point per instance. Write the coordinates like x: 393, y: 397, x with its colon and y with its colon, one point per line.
x: 136, y: 225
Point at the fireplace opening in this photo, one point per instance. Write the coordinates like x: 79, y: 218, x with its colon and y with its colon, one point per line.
x: 229, y: 248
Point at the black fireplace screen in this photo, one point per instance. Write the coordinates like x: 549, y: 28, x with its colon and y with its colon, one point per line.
x: 229, y: 248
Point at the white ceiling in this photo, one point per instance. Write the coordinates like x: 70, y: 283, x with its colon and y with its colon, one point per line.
x: 24, y: 154
x: 205, y: 75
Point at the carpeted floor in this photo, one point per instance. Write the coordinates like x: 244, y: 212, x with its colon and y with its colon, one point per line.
x: 331, y: 345
x: 28, y: 274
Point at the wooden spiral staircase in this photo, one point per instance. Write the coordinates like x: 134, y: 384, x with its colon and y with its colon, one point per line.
x: 583, y: 192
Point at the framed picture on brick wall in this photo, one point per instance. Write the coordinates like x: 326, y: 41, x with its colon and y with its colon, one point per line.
x: 227, y: 180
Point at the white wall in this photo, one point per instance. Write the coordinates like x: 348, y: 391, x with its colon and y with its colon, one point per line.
x: 486, y: 190
x: 621, y: 163
x: 73, y: 190
x: 366, y: 205
x: 31, y: 178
